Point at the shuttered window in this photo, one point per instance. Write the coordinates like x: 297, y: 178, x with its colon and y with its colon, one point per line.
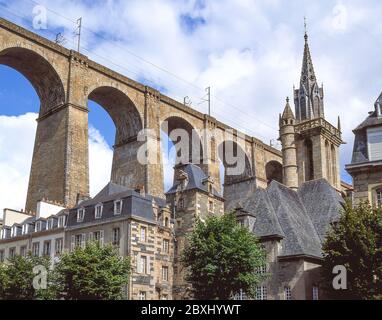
x: 374, y: 138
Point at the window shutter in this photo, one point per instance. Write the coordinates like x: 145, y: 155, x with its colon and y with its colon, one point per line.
x: 72, y: 244
x: 101, y: 238
x: 83, y: 240
x: 139, y: 264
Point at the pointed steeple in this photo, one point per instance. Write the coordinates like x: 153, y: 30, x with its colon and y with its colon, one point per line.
x: 309, y: 97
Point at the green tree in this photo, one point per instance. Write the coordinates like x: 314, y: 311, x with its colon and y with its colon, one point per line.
x: 3, y: 280
x: 355, y: 242
x: 222, y: 258
x: 20, y: 281
x: 92, y: 273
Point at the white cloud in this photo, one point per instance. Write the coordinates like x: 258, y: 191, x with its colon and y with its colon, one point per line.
x: 16, y: 149
x: 100, y: 161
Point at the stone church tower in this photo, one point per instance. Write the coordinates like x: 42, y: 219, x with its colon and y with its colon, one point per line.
x: 310, y: 144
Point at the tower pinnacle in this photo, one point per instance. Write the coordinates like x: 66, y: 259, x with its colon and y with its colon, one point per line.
x: 309, y: 97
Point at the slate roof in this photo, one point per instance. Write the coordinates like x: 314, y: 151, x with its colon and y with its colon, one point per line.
x: 301, y: 218
x: 134, y: 204
x: 371, y: 121
x: 196, y: 177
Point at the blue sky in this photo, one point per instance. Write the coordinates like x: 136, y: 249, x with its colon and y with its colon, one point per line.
x: 248, y: 51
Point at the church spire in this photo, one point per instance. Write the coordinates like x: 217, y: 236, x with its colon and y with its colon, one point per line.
x: 309, y: 97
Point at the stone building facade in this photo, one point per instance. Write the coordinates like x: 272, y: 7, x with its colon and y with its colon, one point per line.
x: 366, y: 165
x: 139, y: 226
x: 42, y: 233
x: 193, y: 196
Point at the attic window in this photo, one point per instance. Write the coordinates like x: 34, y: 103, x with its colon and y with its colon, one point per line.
x: 98, y: 211
x: 49, y: 224
x: 38, y: 226
x: 117, y: 207
x: 61, y: 221
x: 80, y: 215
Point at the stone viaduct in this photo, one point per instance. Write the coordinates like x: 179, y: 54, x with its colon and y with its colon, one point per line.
x: 65, y: 80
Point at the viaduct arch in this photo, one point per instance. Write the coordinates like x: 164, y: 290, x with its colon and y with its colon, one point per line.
x: 65, y: 80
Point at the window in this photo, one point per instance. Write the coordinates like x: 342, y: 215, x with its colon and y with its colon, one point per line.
x: 165, y: 246
x: 12, y: 253
x: 261, y: 269
x: 241, y: 295
x: 117, y: 207
x: 78, y: 241
x: 61, y: 221
x: 143, y: 234
x: 142, y: 265
x: 287, y: 293
x: 49, y: 225
x: 47, y: 247
x: 98, y: 211
x: 164, y: 273
x: 374, y: 138
x: 58, y: 246
x: 36, y: 249
x: 379, y: 197
x: 97, y: 236
x: 23, y: 251
x: 211, y: 206
x: 166, y: 222
x: 261, y: 293
x: 116, y: 236
x: 1, y: 255
x: 38, y: 226
x: 315, y: 293
x: 142, y: 295
x: 80, y: 215
x: 164, y: 297
x: 25, y: 229
x: 14, y: 231
x: 181, y: 203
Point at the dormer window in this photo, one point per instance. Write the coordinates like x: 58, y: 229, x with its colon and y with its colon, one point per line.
x: 14, y: 232
x: 49, y: 225
x: 38, y: 226
x: 80, y: 215
x: 98, y: 211
x: 61, y: 221
x: 117, y: 207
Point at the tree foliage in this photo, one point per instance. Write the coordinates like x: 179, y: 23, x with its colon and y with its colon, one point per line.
x: 355, y: 242
x: 17, y: 275
x: 92, y: 273
x: 222, y: 258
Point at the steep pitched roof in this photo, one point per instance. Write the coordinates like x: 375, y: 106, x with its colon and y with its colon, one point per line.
x: 196, y: 179
x: 323, y: 204
x: 301, y: 218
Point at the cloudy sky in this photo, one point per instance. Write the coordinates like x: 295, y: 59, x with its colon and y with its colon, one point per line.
x: 248, y: 51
